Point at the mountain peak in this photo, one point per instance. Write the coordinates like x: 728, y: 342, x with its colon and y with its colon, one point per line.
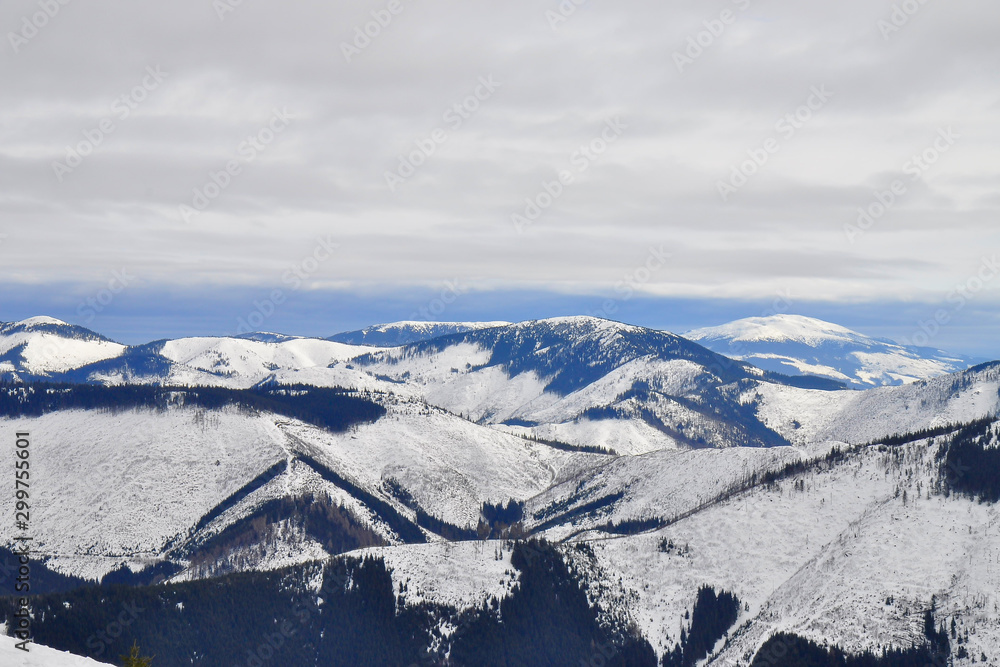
x: 794, y: 344
x: 41, y: 320
x: 779, y: 328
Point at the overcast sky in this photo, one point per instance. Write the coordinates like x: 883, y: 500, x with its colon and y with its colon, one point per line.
x: 622, y: 122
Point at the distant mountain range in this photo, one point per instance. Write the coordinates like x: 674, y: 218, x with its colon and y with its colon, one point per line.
x: 653, y: 465
x: 796, y: 345
x: 790, y: 345
x: 404, y: 333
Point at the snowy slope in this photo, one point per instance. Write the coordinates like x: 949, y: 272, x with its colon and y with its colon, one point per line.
x: 658, y: 485
x: 39, y: 656
x: 818, y: 553
x: 556, y: 374
x: 822, y: 561
x: 251, y: 360
x: 92, y: 471
x: 128, y: 487
x: 228, y: 362
x: 44, y: 346
x: 796, y: 345
x: 804, y: 416
x: 404, y: 333
x: 582, y: 380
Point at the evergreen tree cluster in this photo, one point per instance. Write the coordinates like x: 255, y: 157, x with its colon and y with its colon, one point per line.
x: 501, y: 514
x: 406, y: 529
x: 256, y: 483
x: 971, y: 464
x: 547, y: 620
x: 711, y: 619
x: 633, y: 526
x: 317, y: 517
x: 43, y: 580
x: 241, y: 620
x: 333, y: 409
x: 568, y: 515
x: 449, y: 531
x: 789, y: 650
x: 502, y: 521
x: 356, y: 620
x: 926, y: 433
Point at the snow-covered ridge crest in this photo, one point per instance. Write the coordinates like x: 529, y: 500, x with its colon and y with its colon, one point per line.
x: 44, y: 346
x: 403, y: 333
x: 779, y: 328
x: 41, y: 319
x: 797, y: 345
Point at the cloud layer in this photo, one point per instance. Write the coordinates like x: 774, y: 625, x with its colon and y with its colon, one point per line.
x: 519, y: 145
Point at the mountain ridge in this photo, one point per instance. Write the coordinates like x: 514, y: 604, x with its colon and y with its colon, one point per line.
x: 798, y: 345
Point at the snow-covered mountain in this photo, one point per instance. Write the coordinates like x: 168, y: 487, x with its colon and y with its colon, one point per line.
x: 404, y: 333
x: 45, y: 346
x: 585, y: 381
x: 230, y: 362
x: 845, y: 547
x: 797, y: 345
x: 580, y: 380
x: 804, y: 416
x: 655, y: 464
x: 199, y: 476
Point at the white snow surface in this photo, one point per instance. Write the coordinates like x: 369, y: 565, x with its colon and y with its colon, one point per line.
x: 821, y: 561
x: 250, y: 361
x: 794, y: 344
x: 40, y: 320
x: 39, y: 656
x: 113, y: 488
x: 459, y: 574
x: 449, y: 465
x: 48, y: 352
x: 117, y: 488
x: 779, y: 328
x: 804, y: 415
x: 427, y: 325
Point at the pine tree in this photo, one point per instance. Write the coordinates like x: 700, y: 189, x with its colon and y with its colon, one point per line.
x: 134, y: 660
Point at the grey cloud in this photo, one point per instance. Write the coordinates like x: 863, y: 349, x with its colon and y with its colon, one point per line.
x: 658, y: 184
